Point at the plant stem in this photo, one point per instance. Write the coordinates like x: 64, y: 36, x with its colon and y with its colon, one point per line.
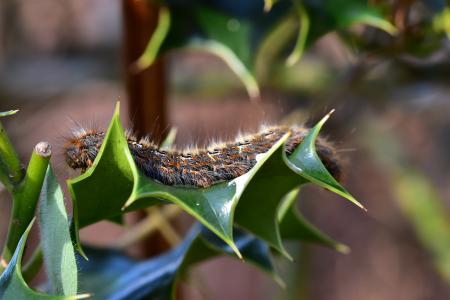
x: 25, y: 198
x: 165, y: 228
x: 145, y: 228
x: 11, y: 170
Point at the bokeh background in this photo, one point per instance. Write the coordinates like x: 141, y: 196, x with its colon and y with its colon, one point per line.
x: 63, y: 62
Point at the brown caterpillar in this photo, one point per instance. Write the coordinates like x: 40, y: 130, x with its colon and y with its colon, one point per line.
x: 201, y: 167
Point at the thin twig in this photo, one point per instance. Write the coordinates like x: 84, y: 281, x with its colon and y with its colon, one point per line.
x: 144, y: 228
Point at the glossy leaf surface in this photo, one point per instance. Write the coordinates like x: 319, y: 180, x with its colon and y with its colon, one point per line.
x: 114, y: 185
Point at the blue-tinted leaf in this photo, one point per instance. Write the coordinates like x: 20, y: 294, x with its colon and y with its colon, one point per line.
x: 12, y: 284
x: 110, y: 275
x: 58, y: 251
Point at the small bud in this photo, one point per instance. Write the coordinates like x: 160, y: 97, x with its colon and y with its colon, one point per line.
x: 43, y: 149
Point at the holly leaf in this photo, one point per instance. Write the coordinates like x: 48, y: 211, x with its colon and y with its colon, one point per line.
x: 235, y: 32
x: 110, y: 275
x: 257, y: 210
x: 293, y: 226
x: 58, y: 251
x: 114, y: 185
x: 12, y: 284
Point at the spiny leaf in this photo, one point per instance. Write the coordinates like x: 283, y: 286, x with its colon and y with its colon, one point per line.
x: 58, y: 251
x: 114, y: 185
x: 305, y: 162
x: 293, y: 225
x: 213, y: 206
x: 12, y: 284
x: 257, y: 210
x: 110, y: 275
x: 100, y: 193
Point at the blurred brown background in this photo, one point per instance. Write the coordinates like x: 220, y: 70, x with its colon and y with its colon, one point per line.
x: 63, y: 60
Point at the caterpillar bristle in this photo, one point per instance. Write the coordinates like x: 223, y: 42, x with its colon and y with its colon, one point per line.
x: 198, y: 167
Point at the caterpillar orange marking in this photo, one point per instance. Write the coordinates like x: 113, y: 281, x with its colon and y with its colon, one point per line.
x: 202, y: 167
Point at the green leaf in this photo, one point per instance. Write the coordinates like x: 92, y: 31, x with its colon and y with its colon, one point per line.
x: 347, y: 13
x: 367, y: 16
x: 12, y: 284
x: 212, y: 206
x: 154, y: 45
x: 100, y: 193
x: 415, y: 195
x: 58, y: 251
x: 207, y: 246
x: 272, y: 46
x: 293, y: 226
x: 268, y: 4
x: 114, y: 185
x: 420, y: 203
x: 8, y: 113
x: 441, y: 21
x: 233, y: 61
x: 11, y: 169
x: 229, y: 39
x: 226, y: 30
x: 305, y: 162
x: 111, y: 275
x: 110, y: 179
x: 302, y: 36
x: 257, y: 208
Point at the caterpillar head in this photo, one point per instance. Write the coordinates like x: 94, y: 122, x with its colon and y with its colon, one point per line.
x: 81, y: 150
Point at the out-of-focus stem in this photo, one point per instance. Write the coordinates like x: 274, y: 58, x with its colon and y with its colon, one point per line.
x: 25, y: 197
x: 165, y: 227
x: 145, y: 227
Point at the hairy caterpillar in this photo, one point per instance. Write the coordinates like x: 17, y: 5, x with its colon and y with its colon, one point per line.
x: 201, y: 167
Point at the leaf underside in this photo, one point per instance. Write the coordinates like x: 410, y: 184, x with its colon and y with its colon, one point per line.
x: 110, y: 275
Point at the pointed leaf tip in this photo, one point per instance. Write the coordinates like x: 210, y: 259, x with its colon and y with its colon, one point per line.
x: 327, y: 116
x: 8, y: 113
x: 344, y: 249
x: 117, y: 108
x: 305, y: 162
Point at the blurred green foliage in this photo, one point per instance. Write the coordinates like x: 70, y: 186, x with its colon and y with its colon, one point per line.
x: 253, y: 37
